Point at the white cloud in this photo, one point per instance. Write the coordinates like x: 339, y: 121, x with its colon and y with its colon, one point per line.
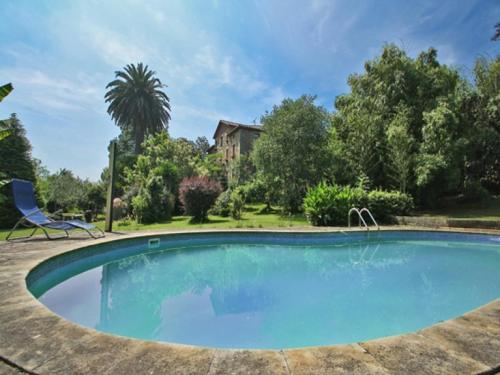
x: 113, y: 48
x: 321, y: 12
x: 275, y: 96
x: 222, y: 70
x: 210, y: 77
x: 45, y: 92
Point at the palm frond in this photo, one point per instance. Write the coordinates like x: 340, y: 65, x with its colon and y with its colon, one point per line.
x: 5, y: 90
x: 5, y: 129
x: 136, y: 100
x: 5, y: 133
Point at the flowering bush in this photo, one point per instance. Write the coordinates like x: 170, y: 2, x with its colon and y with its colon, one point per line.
x: 197, y: 195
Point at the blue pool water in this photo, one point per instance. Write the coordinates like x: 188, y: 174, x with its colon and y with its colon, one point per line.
x: 272, y: 290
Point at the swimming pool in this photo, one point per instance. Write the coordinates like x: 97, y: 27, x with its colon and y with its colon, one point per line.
x: 271, y: 290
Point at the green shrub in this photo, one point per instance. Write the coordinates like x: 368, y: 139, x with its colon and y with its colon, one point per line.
x: 384, y: 205
x: 230, y: 202
x: 154, y: 202
x: 141, y: 203
x: 222, y: 204
x: 329, y: 204
x: 237, y: 203
x: 152, y: 182
x: 255, y: 191
x: 197, y: 195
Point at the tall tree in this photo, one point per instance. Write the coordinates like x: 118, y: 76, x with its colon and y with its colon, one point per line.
x: 290, y: 154
x: 391, y: 122
x: 482, y: 106
x: 202, y: 145
x: 15, y: 162
x: 65, y: 191
x: 438, y: 167
x: 400, y: 146
x: 137, y: 102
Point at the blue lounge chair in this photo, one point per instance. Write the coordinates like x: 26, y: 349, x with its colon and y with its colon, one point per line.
x: 33, y: 217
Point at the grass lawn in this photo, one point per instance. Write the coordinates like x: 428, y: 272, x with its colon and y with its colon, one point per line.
x: 251, y: 219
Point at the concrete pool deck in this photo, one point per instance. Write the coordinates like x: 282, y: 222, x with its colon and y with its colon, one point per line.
x: 35, y: 340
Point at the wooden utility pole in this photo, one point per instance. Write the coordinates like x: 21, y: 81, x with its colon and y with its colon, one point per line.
x: 108, y: 226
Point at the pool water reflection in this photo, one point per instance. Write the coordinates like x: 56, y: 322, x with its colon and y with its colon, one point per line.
x: 240, y: 295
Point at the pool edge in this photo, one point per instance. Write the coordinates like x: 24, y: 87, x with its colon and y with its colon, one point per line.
x: 37, y: 340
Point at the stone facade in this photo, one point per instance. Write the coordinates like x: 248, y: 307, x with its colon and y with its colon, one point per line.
x: 233, y: 140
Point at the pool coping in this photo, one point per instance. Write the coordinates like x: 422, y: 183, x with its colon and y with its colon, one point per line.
x: 35, y: 340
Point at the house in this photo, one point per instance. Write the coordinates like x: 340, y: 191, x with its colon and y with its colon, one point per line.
x: 233, y: 140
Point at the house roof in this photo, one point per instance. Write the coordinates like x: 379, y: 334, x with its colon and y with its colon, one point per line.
x: 236, y: 126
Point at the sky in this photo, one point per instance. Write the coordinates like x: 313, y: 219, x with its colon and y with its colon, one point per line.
x: 220, y: 59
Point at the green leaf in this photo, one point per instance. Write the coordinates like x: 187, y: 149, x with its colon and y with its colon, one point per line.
x: 5, y: 133
x: 5, y: 90
x: 5, y: 129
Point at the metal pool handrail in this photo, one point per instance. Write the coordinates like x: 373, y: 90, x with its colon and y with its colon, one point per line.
x: 364, y: 209
x: 360, y: 215
x: 361, y: 220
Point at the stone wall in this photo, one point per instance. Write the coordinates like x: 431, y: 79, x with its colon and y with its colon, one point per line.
x: 429, y: 221
x: 247, y: 138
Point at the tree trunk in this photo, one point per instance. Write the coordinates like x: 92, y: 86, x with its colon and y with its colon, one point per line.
x: 139, y: 138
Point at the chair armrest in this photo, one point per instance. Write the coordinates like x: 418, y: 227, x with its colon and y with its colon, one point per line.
x: 36, y: 211
x: 32, y: 212
x: 56, y: 214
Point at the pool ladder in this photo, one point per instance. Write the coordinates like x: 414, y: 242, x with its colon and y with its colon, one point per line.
x: 361, y: 219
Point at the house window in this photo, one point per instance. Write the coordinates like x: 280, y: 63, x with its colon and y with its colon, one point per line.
x: 234, y: 151
x: 227, y: 152
x: 221, y: 138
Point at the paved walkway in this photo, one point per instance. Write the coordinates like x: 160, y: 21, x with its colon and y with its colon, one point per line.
x: 34, y: 340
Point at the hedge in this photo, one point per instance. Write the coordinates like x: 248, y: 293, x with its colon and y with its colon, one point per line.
x: 328, y: 205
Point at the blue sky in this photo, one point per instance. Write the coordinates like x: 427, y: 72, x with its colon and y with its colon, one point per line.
x: 220, y: 59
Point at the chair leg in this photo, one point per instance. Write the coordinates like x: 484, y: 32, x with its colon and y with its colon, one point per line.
x: 100, y: 232
x: 35, y: 228
x: 91, y: 234
x: 20, y: 222
x: 54, y: 238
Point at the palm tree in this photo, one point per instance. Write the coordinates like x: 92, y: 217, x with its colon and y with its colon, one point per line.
x: 137, y: 103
